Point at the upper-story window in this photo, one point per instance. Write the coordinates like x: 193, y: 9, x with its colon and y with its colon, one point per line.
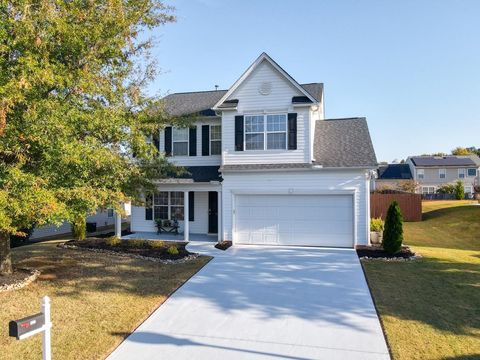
x: 472, y: 172
x: 461, y: 173
x: 266, y: 132
x: 180, y: 141
x: 442, y: 173
x: 215, y: 139
x: 420, y: 174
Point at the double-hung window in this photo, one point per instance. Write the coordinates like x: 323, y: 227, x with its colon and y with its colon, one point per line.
x: 472, y: 172
x: 428, y: 190
x: 215, y: 139
x: 420, y: 173
x: 461, y: 173
x: 180, y: 141
x: 266, y: 132
x: 168, y: 205
x: 442, y: 173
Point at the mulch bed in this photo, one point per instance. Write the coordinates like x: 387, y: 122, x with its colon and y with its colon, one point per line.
x: 155, y: 249
x: 111, y: 233
x: 377, y: 252
x: 20, y: 278
x: 223, y: 245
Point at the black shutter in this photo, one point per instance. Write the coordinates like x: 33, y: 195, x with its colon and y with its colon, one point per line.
x: 168, y: 141
x: 292, y: 131
x: 156, y: 140
x: 193, y: 141
x: 148, y: 207
x: 205, y: 140
x: 239, y: 133
x: 191, y: 206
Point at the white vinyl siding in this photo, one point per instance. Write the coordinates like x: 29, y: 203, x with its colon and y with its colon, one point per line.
x: 279, y: 101
x: 299, y: 183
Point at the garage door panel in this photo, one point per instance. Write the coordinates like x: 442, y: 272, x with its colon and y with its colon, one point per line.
x: 310, y: 220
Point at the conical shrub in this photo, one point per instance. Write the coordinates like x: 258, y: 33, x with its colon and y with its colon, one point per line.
x: 393, y: 231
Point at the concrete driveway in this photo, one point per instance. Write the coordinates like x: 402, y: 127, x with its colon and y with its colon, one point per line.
x: 265, y: 303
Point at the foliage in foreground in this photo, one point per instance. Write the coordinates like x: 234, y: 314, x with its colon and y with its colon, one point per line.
x: 73, y: 110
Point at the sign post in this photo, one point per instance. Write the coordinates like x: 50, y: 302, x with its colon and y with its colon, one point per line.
x: 34, y: 324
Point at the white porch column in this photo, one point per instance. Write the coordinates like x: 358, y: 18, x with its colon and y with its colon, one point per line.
x: 219, y: 216
x: 186, y: 224
x: 118, y: 225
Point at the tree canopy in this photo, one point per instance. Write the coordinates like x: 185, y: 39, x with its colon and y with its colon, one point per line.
x: 73, y: 107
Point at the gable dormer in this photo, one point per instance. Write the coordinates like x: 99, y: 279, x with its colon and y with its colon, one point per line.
x: 267, y: 117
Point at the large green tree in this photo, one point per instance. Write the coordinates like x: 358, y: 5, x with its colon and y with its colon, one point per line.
x: 73, y: 109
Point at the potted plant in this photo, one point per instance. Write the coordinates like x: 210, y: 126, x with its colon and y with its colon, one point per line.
x: 376, y: 230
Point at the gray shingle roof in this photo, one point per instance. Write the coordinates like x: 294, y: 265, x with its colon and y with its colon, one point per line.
x: 343, y: 143
x: 450, y: 160
x: 194, y: 102
x: 202, y: 173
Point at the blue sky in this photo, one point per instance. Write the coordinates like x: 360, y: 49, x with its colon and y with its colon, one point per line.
x: 411, y: 67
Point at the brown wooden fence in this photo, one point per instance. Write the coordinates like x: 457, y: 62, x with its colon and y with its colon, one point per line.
x: 410, y: 205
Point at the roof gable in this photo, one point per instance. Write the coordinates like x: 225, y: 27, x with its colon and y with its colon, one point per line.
x: 261, y: 60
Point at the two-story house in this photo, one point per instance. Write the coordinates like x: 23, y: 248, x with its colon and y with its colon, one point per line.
x: 265, y: 166
x: 431, y: 172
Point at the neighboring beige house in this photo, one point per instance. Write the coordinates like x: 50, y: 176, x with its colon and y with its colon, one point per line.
x: 431, y: 172
x: 392, y: 177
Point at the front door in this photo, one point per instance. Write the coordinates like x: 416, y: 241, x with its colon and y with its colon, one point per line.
x: 213, y: 212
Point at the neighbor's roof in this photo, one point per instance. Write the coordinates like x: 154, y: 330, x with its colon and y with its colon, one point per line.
x: 203, y: 101
x: 343, y: 143
x: 450, y: 160
x: 394, y: 171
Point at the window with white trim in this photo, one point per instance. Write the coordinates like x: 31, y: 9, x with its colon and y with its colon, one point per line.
x: 472, y: 172
x: 215, y: 139
x: 266, y: 132
x: 428, y: 189
x: 168, y: 205
x: 468, y: 189
x: 180, y: 141
x: 442, y: 173
x: 420, y: 173
x: 461, y: 173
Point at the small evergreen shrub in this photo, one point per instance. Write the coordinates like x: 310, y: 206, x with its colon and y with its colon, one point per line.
x: 172, y: 250
x: 154, y: 244
x: 393, y: 232
x: 113, y: 241
x: 459, y: 190
x: 137, y: 243
x: 79, y: 228
x: 376, y: 224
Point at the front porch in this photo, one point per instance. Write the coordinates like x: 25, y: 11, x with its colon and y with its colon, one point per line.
x: 195, y: 207
x: 146, y: 235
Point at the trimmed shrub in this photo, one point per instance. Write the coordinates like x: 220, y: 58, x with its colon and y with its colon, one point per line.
x: 154, y: 244
x: 113, y: 241
x: 393, y: 232
x: 459, y: 190
x: 137, y: 243
x: 376, y: 224
x: 172, y: 250
x: 79, y: 228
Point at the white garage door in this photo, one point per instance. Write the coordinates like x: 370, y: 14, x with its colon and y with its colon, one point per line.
x: 308, y: 220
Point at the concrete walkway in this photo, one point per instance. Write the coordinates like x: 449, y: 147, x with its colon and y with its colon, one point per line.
x: 265, y: 303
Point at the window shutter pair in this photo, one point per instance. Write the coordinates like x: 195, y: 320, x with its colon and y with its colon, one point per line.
x: 291, y: 127
x: 192, y: 137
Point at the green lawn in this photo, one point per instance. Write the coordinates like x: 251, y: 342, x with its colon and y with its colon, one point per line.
x: 97, y: 299
x: 430, y: 308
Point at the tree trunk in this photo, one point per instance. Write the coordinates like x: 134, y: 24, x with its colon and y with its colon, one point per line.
x: 5, y: 258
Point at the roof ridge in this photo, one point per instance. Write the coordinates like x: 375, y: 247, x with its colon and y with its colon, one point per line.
x: 346, y: 118
x: 193, y: 92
